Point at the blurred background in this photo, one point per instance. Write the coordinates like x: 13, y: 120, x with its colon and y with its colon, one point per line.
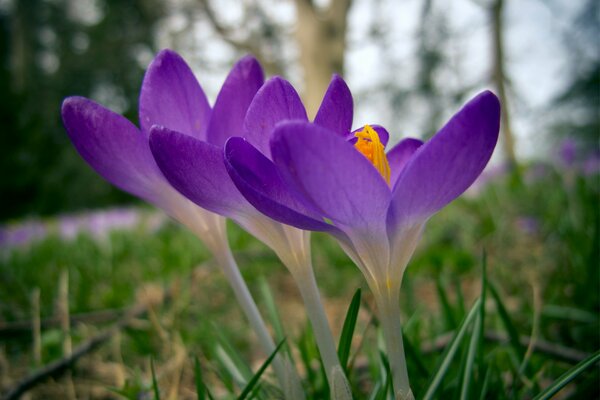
x: 409, y: 64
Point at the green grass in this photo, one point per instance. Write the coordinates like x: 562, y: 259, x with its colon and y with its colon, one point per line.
x: 543, y: 234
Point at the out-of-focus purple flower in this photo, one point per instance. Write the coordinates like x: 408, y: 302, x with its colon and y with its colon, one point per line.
x: 537, y: 172
x: 568, y: 151
x: 376, y: 205
x: 591, y: 165
x: 18, y: 235
x: 98, y: 223
x: 529, y: 225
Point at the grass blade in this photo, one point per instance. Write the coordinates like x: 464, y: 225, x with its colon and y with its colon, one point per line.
x: 445, y: 303
x: 414, y: 354
x: 224, y: 352
x: 154, y: 382
x: 450, y: 351
x: 568, y: 376
x: 348, y: 330
x: 267, y: 297
x: 484, y: 285
x: 513, y: 334
x: 250, y: 386
x: 201, y: 389
x: 472, y: 352
x: 386, y: 385
x: 484, y: 386
x: 375, y: 392
x: 460, y: 298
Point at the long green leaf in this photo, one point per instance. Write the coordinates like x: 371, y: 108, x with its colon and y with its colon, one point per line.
x: 387, y: 378
x: 472, y: 352
x: 446, y: 307
x: 414, y: 354
x: 267, y: 296
x: 484, y: 386
x: 568, y: 376
x: 450, y: 351
x: 230, y: 359
x: 306, y: 348
x: 154, y: 382
x: 250, y: 386
x: 201, y: 388
x: 484, y: 284
x: 513, y: 334
x: 348, y: 330
x: 460, y: 299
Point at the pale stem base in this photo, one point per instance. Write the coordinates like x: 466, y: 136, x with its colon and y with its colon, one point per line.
x: 305, y: 279
x: 286, y: 374
x: 389, y: 315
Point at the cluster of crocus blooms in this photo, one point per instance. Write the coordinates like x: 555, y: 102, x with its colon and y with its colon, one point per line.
x: 255, y: 157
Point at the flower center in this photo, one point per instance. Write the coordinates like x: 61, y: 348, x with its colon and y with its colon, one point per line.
x: 370, y: 146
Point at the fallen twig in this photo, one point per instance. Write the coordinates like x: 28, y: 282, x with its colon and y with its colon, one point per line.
x: 58, y: 367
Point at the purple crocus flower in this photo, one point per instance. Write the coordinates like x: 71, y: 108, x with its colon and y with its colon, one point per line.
x: 196, y: 168
x: 568, y: 151
x: 313, y: 177
x: 120, y: 152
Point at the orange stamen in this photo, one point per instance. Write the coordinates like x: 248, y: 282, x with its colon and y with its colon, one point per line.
x: 370, y: 146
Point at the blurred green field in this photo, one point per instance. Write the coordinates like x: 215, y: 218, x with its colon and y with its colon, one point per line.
x: 539, y: 230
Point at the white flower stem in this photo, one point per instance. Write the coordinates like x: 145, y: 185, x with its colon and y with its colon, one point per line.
x: 389, y: 316
x: 305, y: 279
x: 285, y: 372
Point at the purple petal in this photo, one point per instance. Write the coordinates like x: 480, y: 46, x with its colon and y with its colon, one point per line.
x: 172, y: 97
x: 444, y: 167
x: 258, y: 180
x: 275, y: 102
x: 196, y: 169
x: 336, y: 110
x: 325, y: 168
x: 113, y: 146
x: 227, y: 118
x: 399, y: 155
x: 383, y: 134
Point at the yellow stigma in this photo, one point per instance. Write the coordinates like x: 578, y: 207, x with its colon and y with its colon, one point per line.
x: 370, y: 146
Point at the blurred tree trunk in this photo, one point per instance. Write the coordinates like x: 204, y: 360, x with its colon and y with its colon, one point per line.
x: 321, y: 37
x: 320, y: 34
x: 499, y: 77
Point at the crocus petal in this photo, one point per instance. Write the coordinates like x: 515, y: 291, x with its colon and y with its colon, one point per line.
x: 258, y: 180
x: 196, y: 169
x: 172, y: 97
x: 326, y: 169
x: 399, y: 155
x: 227, y: 118
x: 444, y: 167
x: 113, y: 146
x: 276, y: 101
x: 336, y: 110
x: 383, y: 134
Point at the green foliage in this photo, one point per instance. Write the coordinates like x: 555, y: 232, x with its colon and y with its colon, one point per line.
x: 348, y: 330
x: 568, y: 376
x: 49, y: 52
x: 558, y: 253
x: 155, y: 389
x: 250, y: 387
